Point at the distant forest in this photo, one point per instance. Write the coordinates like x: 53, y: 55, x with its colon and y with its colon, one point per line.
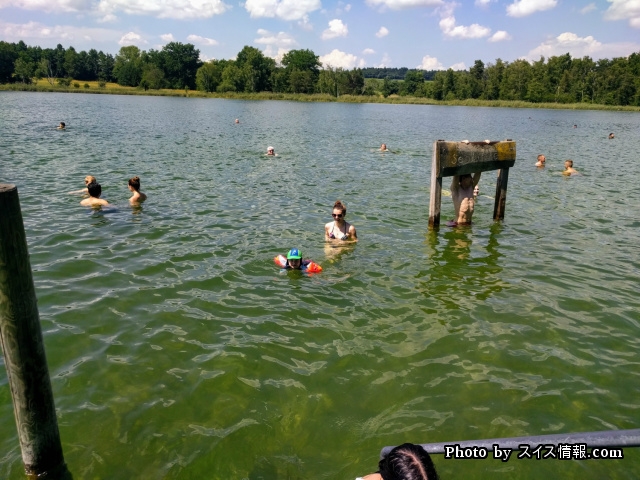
x: 559, y: 79
x: 395, y: 73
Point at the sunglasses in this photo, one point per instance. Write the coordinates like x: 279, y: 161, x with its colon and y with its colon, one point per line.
x: 337, y: 215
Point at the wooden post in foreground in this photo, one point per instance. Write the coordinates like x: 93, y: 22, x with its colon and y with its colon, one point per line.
x: 460, y: 158
x: 23, y: 347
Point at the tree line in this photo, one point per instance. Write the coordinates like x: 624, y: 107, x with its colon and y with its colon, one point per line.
x: 559, y: 79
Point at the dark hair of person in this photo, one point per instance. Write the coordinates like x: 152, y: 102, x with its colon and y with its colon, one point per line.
x: 340, y: 206
x: 407, y: 462
x: 62, y: 124
x: 570, y: 162
x: 466, y: 175
x: 94, y: 189
x: 135, y: 183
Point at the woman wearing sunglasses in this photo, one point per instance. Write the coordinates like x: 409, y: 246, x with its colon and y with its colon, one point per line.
x: 340, y: 229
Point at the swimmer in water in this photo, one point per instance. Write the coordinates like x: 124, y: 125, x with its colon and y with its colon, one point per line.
x: 340, y: 229
x: 462, y: 187
x: 134, y: 186
x: 94, y: 200
x: 237, y: 121
x: 62, y: 126
x: 541, y: 160
x: 611, y: 136
x: 87, y: 180
x: 383, y: 148
x: 270, y: 151
x: 568, y: 169
x: 407, y: 461
x: 294, y: 261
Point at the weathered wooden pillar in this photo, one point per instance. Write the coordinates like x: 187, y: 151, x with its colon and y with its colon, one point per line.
x: 23, y: 347
x: 501, y: 194
x: 435, y: 199
x: 460, y: 158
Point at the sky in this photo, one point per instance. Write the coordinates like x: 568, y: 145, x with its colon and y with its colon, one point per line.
x: 426, y: 34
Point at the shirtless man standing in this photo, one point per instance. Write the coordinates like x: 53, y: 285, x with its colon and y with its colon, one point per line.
x: 463, y: 200
x: 94, y: 200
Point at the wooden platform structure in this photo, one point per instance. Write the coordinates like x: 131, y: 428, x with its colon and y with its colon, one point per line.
x: 465, y: 157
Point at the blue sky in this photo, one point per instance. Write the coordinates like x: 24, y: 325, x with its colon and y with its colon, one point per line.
x: 429, y: 34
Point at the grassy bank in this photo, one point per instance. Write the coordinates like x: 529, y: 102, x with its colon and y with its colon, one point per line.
x: 115, y: 89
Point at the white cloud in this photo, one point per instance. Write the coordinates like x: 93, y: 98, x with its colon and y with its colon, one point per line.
x: 168, y: 37
x: 589, y: 8
x: 623, y: 10
x: 458, y: 66
x: 430, y: 63
x: 402, y: 4
x: 451, y: 30
x: 49, y: 5
x: 522, y: 8
x: 283, y: 9
x: 338, y: 59
x: 198, y: 40
x: 383, y: 32
x: 499, y: 36
x: 483, y: 3
x: 368, y: 51
x: 132, y: 38
x: 386, y: 61
x: 44, y: 35
x: 176, y: 9
x: 336, y: 29
x: 579, y: 47
x: 279, y: 40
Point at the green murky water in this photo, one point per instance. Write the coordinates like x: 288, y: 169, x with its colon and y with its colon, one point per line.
x: 177, y: 350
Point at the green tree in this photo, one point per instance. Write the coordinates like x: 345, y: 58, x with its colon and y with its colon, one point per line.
x: 494, y: 79
x: 8, y: 56
x: 303, y: 70
x: 180, y: 63
x: 256, y: 69
x: 70, y: 63
x: 152, y: 77
x: 231, y: 79
x: 127, y: 67
x: 209, y: 75
x: 412, y: 82
x: 389, y: 87
x: 477, y: 80
x: 24, y: 70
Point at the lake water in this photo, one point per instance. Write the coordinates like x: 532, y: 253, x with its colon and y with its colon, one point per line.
x: 177, y: 350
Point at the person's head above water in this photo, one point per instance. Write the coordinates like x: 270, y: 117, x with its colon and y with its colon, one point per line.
x: 294, y: 258
x: 270, y: 150
x: 62, y: 125
x: 568, y: 164
x: 339, y: 211
x: 95, y: 190
x: 406, y: 462
x: 90, y: 179
x: 134, y: 183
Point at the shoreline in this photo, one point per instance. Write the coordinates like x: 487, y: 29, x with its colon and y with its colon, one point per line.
x: 115, y: 89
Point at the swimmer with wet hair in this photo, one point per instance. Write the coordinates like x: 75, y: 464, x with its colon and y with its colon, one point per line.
x: 340, y: 229
x: 405, y: 462
x: 62, y: 126
x: 568, y: 168
x: 94, y: 200
x: 541, y: 160
x: 134, y: 186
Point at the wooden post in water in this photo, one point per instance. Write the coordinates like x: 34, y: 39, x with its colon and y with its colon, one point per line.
x: 460, y: 158
x: 23, y: 347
